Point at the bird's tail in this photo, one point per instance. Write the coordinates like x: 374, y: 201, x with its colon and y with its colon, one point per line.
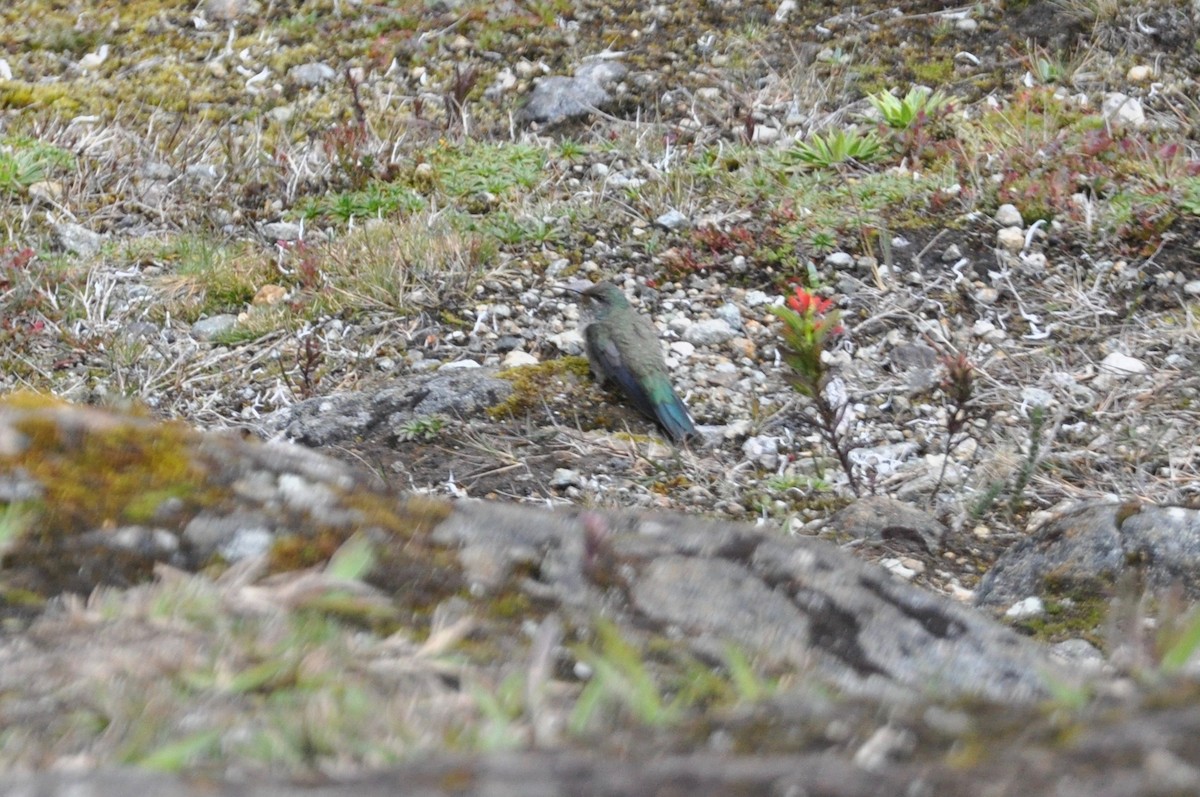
x: 675, y: 420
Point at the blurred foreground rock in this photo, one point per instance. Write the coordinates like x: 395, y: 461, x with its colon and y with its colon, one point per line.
x: 893, y: 688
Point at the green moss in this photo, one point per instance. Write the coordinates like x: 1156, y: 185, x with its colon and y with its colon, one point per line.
x: 105, y: 474
x: 1075, y: 611
x: 933, y: 72
x: 531, y: 382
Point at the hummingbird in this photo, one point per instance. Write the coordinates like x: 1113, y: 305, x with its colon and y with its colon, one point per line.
x: 623, y: 346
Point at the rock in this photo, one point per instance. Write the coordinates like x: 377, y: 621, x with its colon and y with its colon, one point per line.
x: 1122, y: 110
x: 881, y: 519
x: 454, y: 393
x: 460, y: 365
x: 46, y: 192
x: 744, y: 348
x: 1007, y: 215
x: 507, y: 343
x: 672, y: 220
x: 563, y: 478
x: 77, y: 239
x: 568, y: 342
x: 556, y: 99
x: 682, y: 349
x: 730, y: 314
x: 282, y: 231
x: 1123, y: 365
x: 309, y: 75
x: 1139, y: 73
x: 1085, y: 550
x: 1011, y: 239
x: 1030, y: 607
x: 709, y: 332
x: 214, y: 326
x: 228, y: 10
x: 757, y: 298
x: 762, y: 450
x: 839, y: 260
x: 517, y: 359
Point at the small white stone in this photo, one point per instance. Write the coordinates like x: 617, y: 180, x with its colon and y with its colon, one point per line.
x: 1123, y: 364
x: 672, y: 220
x: 459, y: 365
x: 762, y: 450
x: 1030, y: 607
x: 1122, y: 109
x: 565, y: 477
x: 709, y: 332
x: 682, y: 349
x: 987, y: 295
x: 898, y: 569
x: 1139, y: 73
x: 569, y: 342
x: 765, y: 134
x: 1011, y: 239
x: 1007, y: 215
x: 839, y: 260
x: 516, y: 359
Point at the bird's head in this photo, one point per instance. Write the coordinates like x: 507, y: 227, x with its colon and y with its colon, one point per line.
x: 605, y: 295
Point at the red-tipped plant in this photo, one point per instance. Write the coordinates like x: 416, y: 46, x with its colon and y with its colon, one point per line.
x: 809, y: 323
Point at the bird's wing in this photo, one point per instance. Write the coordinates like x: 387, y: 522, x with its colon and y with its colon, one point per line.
x: 606, y: 358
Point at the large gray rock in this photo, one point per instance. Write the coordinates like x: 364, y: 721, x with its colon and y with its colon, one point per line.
x: 457, y: 393
x: 556, y: 99
x: 1086, y: 550
x: 797, y: 601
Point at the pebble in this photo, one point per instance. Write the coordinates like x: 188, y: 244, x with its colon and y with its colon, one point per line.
x: 312, y: 74
x: 744, y: 347
x: 517, y: 358
x: 1139, y: 73
x: 1011, y: 239
x: 1121, y: 109
x: 672, y: 220
x: 1123, y: 365
x: 282, y: 231
x: 709, y: 332
x: 459, y: 365
x: 1007, y: 215
x: 568, y: 342
x: 211, y: 327
x: 763, y: 450
x: 682, y: 349
x: 987, y: 295
x: 759, y: 298
x: 897, y: 568
x: 78, y: 239
x: 839, y: 260
x: 565, y: 477
x: 730, y: 313
x: 1030, y: 607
